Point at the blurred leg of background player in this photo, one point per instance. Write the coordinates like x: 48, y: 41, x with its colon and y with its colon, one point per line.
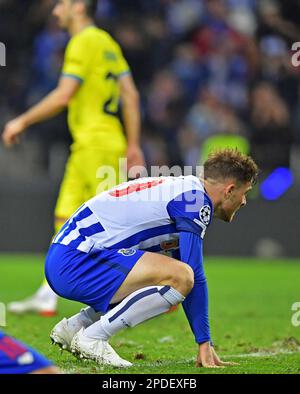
x: 80, y: 183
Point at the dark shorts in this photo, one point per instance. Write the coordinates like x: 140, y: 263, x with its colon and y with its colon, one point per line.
x: 91, y: 278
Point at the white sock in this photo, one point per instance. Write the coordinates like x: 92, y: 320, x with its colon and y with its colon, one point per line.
x: 45, y: 293
x: 134, y: 309
x: 84, y: 318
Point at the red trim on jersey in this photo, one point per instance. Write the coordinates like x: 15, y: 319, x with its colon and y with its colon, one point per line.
x: 135, y: 188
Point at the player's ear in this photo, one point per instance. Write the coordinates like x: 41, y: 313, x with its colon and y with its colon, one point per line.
x: 229, y: 189
x: 79, y: 7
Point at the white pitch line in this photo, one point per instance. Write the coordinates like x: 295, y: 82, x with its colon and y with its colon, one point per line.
x: 263, y: 354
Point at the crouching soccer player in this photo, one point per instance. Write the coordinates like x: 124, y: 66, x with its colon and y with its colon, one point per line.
x: 108, y: 255
x: 17, y: 358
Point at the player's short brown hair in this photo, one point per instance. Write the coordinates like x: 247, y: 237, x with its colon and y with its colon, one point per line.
x: 230, y: 163
x: 90, y: 6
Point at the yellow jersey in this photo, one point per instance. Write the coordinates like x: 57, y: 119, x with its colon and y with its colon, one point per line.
x: 96, y: 60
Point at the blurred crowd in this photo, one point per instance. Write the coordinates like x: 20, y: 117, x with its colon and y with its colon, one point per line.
x: 210, y: 72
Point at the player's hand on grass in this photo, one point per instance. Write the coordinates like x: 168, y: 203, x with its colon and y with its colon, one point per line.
x: 221, y: 363
x: 135, y: 157
x: 206, y: 356
x: 12, y: 131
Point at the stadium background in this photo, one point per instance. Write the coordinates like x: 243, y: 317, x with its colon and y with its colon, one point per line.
x: 203, y: 68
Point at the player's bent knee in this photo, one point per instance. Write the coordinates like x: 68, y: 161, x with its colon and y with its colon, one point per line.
x: 188, y: 278
x: 182, y: 278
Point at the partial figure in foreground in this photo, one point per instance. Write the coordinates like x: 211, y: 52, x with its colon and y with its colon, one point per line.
x: 17, y: 358
x: 110, y: 255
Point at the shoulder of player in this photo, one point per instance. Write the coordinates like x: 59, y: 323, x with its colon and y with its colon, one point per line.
x: 89, y: 35
x: 95, y: 38
x: 198, y: 187
x: 100, y: 36
x: 192, y: 192
x: 192, y: 182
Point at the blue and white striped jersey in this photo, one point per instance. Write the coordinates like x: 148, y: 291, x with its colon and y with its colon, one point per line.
x: 145, y: 214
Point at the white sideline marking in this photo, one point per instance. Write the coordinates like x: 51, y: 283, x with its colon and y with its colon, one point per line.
x: 263, y: 354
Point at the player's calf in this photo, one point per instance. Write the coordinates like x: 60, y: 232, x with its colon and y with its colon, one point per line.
x: 140, y: 306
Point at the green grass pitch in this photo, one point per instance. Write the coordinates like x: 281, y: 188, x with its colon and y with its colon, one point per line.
x: 250, y: 314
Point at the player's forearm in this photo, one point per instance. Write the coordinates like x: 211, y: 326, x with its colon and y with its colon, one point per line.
x: 196, y: 303
x: 132, y: 118
x: 196, y: 309
x: 50, y: 106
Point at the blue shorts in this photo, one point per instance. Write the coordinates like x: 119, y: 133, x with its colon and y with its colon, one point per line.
x: 91, y: 278
x: 17, y: 358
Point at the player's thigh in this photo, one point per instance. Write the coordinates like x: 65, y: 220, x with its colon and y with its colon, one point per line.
x: 72, y: 191
x: 104, y: 170
x: 154, y: 269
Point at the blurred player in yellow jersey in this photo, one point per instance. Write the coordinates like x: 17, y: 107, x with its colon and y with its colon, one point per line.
x: 95, y: 78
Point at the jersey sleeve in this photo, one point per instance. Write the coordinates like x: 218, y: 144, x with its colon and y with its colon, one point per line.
x: 191, y: 211
x: 196, y: 303
x: 17, y: 358
x: 122, y: 67
x: 76, y: 59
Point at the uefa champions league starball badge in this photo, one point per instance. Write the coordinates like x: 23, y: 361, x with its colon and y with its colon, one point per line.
x: 204, y: 214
